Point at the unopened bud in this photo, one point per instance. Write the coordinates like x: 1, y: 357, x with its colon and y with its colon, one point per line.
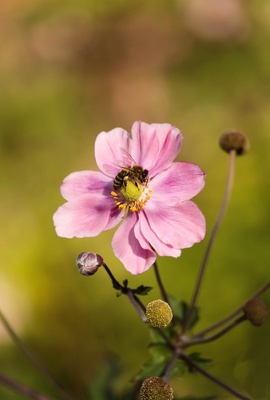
x: 255, y: 311
x: 234, y: 140
x: 159, y: 313
x: 89, y: 263
x: 155, y: 388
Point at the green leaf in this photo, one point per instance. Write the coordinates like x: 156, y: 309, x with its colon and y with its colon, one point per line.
x: 177, y: 307
x: 155, y: 365
x: 102, y: 387
x: 181, y: 309
x: 159, y: 351
x: 155, y: 336
x: 179, y: 368
x: 194, y: 318
x: 151, y: 368
x: 142, y: 290
x: 200, y: 361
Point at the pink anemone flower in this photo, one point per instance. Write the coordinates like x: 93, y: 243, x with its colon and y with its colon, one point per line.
x: 140, y: 186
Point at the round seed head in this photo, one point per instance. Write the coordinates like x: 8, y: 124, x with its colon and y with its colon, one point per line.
x: 234, y: 140
x: 155, y: 388
x: 159, y: 313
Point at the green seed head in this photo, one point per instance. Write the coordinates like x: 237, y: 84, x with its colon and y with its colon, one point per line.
x: 155, y: 388
x: 159, y: 313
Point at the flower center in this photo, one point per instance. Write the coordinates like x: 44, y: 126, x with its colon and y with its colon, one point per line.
x: 132, y: 195
x: 131, y: 191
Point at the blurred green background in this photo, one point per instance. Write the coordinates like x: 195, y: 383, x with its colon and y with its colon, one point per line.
x: 70, y: 69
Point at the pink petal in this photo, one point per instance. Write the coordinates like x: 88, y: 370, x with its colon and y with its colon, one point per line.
x: 109, y: 150
x: 160, y: 247
x: 179, y: 226
x: 86, y: 216
x: 85, y: 182
x: 155, y: 146
x: 180, y: 182
x: 129, y: 250
x: 145, y: 144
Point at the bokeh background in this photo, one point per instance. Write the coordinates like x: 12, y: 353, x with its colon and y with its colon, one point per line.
x: 70, y: 69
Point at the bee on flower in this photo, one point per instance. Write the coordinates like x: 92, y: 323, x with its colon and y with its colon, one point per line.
x: 140, y: 187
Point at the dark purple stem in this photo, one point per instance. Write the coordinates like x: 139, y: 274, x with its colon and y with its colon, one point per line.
x: 211, y: 240
x: 160, y: 284
x: 191, y: 364
x: 34, y: 359
x: 20, y: 388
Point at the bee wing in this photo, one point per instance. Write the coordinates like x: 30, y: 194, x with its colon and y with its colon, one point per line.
x: 127, y: 157
x: 127, y: 160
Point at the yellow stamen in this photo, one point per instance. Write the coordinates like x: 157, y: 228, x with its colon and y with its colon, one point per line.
x: 131, y: 192
x: 132, y: 196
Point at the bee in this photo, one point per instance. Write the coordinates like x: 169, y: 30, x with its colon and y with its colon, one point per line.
x: 134, y: 173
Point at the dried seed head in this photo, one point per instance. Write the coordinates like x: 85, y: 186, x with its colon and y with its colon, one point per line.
x: 159, y: 313
x: 88, y: 263
x: 255, y: 311
x: 234, y: 140
x: 155, y: 388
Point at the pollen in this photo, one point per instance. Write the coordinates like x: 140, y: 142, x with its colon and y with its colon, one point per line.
x: 131, y: 191
x: 133, y: 196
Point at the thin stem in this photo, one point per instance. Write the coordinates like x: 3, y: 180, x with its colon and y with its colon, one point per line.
x: 139, y: 302
x: 170, y: 366
x: 20, y: 388
x: 33, y: 357
x: 160, y: 284
x: 211, y: 239
x: 137, y: 306
x: 114, y: 280
x: 229, y: 389
x: 200, y: 340
x: 259, y: 292
x: 136, y: 303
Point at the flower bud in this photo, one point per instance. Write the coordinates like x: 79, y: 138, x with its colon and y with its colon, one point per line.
x: 159, y: 313
x: 234, y: 140
x: 255, y: 311
x: 89, y: 263
x: 155, y: 388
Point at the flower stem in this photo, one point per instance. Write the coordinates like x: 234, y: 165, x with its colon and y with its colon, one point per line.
x: 160, y: 284
x: 211, y: 240
x: 20, y: 388
x: 229, y: 389
x: 170, y: 366
x: 114, y: 280
x: 259, y: 292
x: 33, y: 357
x: 200, y: 340
x: 134, y: 301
